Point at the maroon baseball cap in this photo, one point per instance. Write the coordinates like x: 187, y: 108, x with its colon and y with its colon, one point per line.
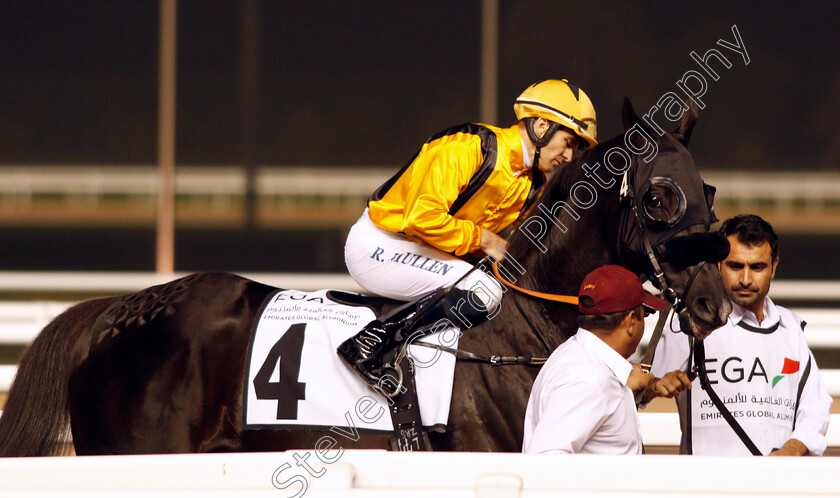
x: 611, y: 289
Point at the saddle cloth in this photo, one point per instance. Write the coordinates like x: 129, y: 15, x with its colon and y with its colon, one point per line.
x: 295, y: 380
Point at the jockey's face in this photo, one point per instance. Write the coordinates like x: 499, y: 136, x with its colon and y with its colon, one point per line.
x: 558, y: 151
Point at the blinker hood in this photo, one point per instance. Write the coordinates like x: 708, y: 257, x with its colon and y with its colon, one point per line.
x: 693, y: 205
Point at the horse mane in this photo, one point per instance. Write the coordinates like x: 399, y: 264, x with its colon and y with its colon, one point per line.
x: 557, y: 190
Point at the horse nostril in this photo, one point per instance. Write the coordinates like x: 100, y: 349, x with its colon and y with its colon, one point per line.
x: 705, y: 308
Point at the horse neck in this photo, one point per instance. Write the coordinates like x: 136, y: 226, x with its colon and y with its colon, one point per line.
x: 579, y: 240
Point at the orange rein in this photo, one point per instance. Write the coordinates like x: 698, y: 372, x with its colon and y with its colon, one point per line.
x: 542, y: 295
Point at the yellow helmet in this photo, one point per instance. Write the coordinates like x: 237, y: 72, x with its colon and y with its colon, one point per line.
x: 559, y: 102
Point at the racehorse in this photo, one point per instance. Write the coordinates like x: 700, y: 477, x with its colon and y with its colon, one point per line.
x: 162, y: 370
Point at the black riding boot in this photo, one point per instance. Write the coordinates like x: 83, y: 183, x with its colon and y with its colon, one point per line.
x: 364, y: 352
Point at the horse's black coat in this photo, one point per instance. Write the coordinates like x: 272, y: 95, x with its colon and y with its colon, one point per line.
x: 162, y: 370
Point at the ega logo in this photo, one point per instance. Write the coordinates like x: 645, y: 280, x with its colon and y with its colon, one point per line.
x: 790, y: 366
x: 732, y: 371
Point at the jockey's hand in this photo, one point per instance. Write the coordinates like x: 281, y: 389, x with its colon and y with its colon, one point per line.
x: 670, y: 385
x: 639, y: 379
x: 493, y: 245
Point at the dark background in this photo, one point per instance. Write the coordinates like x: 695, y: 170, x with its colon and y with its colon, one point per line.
x: 365, y: 82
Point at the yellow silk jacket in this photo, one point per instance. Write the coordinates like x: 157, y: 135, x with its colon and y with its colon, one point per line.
x: 465, y: 178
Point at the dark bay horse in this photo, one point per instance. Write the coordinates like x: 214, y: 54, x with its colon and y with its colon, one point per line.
x: 162, y: 370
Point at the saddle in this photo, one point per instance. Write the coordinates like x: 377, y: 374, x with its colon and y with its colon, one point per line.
x: 293, y: 363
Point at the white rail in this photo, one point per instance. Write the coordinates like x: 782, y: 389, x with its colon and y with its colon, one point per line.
x: 18, y: 183
x: 822, y: 330
x: 750, y: 186
x: 410, y: 475
x: 21, y: 183
x: 114, y: 283
x: 20, y: 322
x: 663, y: 429
x: 124, y: 282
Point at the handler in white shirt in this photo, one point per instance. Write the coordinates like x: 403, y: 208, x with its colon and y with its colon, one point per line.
x: 758, y: 363
x: 582, y: 400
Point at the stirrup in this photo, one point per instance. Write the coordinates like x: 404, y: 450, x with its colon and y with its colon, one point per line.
x: 374, y: 376
x: 370, y: 375
x: 379, y: 386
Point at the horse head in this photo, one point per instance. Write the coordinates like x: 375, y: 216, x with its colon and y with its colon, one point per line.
x: 666, y: 212
x: 635, y: 200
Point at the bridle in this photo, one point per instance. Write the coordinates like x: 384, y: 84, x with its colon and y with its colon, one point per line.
x: 627, y: 198
x: 558, y: 298
x: 678, y: 305
x: 673, y: 298
x: 676, y: 301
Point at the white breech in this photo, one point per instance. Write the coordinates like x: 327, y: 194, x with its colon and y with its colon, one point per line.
x: 391, y: 265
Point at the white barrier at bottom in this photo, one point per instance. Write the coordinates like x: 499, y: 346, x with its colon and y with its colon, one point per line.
x: 830, y: 377
x: 380, y: 473
x: 663, y: 429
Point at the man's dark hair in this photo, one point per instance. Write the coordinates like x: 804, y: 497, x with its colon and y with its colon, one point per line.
x: 752, y: 231
x: 607, y: 321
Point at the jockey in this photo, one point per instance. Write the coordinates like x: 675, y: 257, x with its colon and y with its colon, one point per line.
x: 465, y: 185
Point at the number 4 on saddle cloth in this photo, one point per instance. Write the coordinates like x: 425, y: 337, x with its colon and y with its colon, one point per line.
x: 294, y: 379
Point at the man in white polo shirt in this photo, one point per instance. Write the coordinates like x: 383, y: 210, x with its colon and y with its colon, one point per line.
x: 758, y: 363
x: 582, y: 400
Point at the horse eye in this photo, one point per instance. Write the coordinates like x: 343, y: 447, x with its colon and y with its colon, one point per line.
x: 663, y: 201
x: 657, y: 205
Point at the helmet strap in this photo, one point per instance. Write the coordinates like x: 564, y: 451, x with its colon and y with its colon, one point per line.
x: 540, y: 142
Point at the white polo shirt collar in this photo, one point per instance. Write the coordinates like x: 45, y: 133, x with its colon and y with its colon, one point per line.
x: 771, y: 315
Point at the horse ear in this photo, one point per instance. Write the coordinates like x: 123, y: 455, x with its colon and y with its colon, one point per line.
x: 687, y: 122
x: 709, y: 193
x: 637, y: 140
x: 628, y: 116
